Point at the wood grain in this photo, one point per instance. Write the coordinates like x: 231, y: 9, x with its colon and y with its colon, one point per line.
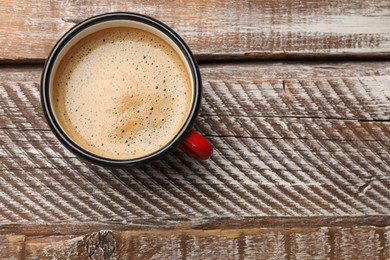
x: 284, y: 150
x: 364, y: 242
x: 301, y: 167
x: 12, y: 246
x: 214, y: 29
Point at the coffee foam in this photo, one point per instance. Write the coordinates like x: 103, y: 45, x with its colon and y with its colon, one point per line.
x: 122, y: 93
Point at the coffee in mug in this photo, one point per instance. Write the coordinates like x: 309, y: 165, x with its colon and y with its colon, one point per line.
x: 121, y: 93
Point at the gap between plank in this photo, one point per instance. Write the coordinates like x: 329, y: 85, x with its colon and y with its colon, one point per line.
x: 205, y: 59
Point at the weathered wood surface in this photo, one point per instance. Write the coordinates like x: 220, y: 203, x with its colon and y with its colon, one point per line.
x: 305, y: 140
x: 301, y: 168
x: 213, y: 29
x: 364, y: 242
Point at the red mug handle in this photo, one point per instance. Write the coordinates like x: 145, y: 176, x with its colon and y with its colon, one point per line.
x: 196, y: 146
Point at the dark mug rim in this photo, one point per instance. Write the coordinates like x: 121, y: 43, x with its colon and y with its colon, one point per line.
x: 68, y: 36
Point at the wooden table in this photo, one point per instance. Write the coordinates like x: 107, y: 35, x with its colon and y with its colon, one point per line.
x: 296, y: 103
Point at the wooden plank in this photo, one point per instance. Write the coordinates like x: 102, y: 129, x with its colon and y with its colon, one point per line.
x: 281, y: 155
x: 214, y: 29
x: 366, y: 242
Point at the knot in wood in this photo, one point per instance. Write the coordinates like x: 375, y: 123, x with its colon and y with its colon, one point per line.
x: 99, y: 245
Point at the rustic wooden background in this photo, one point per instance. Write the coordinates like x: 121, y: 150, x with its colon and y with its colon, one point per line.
x: 296, y: 103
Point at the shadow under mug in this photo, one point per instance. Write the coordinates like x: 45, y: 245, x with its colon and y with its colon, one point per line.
x: 186, y: 139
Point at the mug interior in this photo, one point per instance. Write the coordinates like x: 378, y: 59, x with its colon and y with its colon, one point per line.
x: 88, y: 28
